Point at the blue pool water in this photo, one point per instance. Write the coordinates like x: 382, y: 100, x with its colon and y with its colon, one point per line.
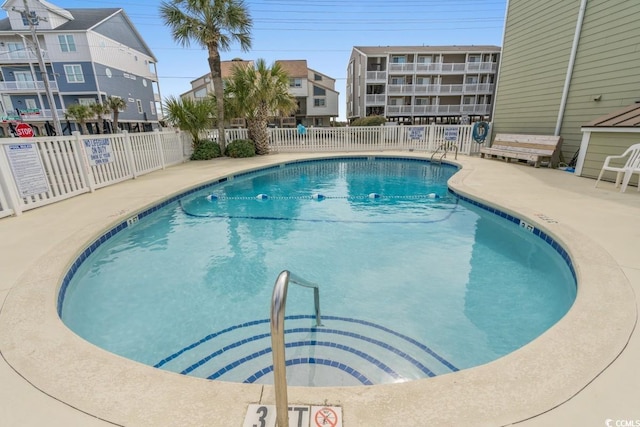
x: 414, y: 281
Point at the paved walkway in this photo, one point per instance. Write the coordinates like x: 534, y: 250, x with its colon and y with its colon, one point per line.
x: 582, y: 372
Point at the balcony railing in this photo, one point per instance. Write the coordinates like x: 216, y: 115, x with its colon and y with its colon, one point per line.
x: 416, y: 110
x: 443, y: 68
x: 377, y: 99
x: 22, y: 86
x: 438, y: 89
x: 10, y: 56
x: 376, y: 76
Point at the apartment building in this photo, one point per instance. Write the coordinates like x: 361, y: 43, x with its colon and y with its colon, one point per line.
x: 51, y: 58
x: 565, y: 64
x: 314, y: 92
x: 422, y: 84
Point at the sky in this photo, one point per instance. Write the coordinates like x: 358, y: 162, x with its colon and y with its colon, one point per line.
x: 323, y: 32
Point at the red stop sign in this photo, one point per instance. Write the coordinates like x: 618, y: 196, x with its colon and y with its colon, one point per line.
x: 23, y: 130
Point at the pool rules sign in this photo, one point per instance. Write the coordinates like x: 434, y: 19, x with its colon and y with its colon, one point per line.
x: 299, y: 416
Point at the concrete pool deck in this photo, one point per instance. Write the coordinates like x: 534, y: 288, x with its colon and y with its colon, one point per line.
x: 582, y: 371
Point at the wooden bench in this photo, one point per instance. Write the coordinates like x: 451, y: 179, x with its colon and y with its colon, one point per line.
x: 534, y: 148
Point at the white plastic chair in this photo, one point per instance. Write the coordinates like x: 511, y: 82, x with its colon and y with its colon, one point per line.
x: 631, y: 166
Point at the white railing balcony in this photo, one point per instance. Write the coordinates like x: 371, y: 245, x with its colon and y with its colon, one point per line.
x: 402, y: 68
x: 376, y: 99
x: 475, y: 108
x: 22, y: 86
x: 482, y: 66
x: 401, y: 89
x: 420, y: 110
x: 376, y: 76
x: 396, y: 110
x: 478, y: 88
x: 18, y: 56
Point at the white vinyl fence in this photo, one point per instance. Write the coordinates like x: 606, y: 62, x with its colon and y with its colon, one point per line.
x: 361, y: 138
x: 38, y: 171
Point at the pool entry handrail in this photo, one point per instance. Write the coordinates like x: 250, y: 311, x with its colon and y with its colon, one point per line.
x: 278, y: 302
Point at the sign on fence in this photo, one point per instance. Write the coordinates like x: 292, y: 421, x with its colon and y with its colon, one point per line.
x: 416, y: 133
x: 28, y: 171
x: 99, y: 151
x: 451, y: 134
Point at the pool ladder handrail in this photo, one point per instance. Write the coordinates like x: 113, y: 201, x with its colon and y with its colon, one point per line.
x: 278, y: 302
x: 446, y: 146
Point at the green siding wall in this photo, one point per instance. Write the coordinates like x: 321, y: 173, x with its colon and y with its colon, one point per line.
x: 535, y: 56
x: 603, y: 144
x: 607, y: 65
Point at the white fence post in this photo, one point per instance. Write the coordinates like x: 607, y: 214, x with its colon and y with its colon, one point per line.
x: 160, y: 147
x: 129, y: 149
x: 84, y: 162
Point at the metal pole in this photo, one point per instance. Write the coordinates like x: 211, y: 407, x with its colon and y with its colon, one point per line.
x: 278, y: 303
x: 43, y: 69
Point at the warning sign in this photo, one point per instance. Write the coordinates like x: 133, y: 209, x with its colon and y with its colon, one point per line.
x: 99, y: 151
x: 326, y: 416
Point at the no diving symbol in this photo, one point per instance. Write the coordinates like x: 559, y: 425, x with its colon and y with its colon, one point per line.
x: 326, y: 417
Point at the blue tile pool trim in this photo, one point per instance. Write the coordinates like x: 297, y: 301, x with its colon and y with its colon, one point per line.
x: 384, y: 345
x: 73, y: 269
x: 536, y: 231
x: 121, y: 226
x: 267, y: 350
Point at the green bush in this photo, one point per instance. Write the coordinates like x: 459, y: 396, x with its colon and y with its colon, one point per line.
x: 369, y: 121
x: 240, y: 148
x: 206, y: 149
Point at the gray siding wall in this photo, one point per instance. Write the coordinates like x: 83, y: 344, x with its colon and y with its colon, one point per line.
x: 535, y: 56
x: 607, y: 65
x: 603, y: 144
x: 126, y: 88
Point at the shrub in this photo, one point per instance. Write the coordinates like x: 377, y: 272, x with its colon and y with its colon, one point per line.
x: 206, y: 149
x: 369, y: 121
x: 240, y: 148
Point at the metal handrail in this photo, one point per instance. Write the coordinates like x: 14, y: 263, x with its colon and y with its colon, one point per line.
x: 446, y: 146
x: 278, y: 302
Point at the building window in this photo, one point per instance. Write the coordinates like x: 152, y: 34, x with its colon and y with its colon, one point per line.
x: 30, y: 19
x: 317, y: 77
x: 200, y: 93
x: 318, y: 91
x: 474, y: 58
x: 74, y: 73
x: 295, y: 82
x: 471, y: 80
x: 30, y: 103
x: 319, y: 102
x: 139, y: 104
x: 469, y: 100
x: 16, y: 50
x: 86, y: 101
x: 152, y: 107
x: 398, y: 59
x: 67, y: 44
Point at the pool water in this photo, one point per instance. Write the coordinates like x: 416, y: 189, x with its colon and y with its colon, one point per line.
x: 414, y: 282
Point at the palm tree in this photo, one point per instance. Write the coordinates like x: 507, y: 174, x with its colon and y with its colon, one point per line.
x: 115, y: 104
x: 80, y: 113
x: 257, y: 93
x: 191, y: 116
x: 214, y: 25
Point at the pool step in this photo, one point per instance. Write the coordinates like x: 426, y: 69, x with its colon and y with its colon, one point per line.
x: 343, y: 351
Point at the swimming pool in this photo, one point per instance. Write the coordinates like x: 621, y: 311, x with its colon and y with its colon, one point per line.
x: 412, y: 285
